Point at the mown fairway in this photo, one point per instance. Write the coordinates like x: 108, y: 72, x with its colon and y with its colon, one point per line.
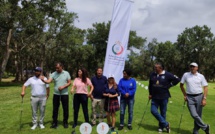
x: 10, y: 108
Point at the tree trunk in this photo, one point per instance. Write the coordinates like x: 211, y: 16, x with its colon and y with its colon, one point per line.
x: 21, y: 71
x: 28, y: 72
x: 43, y: 54
x: 16, y: 63
x: 6, y: 54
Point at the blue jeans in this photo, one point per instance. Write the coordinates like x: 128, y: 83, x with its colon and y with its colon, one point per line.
x: 123, y: 103
x: 161, y: 117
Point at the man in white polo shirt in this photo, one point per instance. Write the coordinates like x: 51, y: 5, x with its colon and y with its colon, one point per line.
x: 195, y: 97
x: 39, y: 95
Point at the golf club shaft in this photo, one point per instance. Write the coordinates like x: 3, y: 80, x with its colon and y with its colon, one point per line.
x: 73, y: 129
x: 59, y: 107
x: 20, y: 123
x: 72, y: 101
x: 181, y: 116
x: 144, y: 113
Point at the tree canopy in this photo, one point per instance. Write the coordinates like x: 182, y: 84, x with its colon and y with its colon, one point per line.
x: 41, y: 33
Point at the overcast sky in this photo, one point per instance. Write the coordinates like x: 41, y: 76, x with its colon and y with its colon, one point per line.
x: 161, y: 19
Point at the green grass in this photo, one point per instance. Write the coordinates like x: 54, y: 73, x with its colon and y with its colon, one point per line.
x: 10, y: 107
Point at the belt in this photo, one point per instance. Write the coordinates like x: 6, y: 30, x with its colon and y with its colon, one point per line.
x: 194, y: 94
x: 39, y: 96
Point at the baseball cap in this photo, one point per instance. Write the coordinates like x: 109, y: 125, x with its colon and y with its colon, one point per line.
x: 110, y: 76
x: 194, y: 64
x: 38, y: 69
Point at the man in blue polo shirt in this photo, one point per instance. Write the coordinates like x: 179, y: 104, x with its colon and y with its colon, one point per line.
x: 159, y: 83
x: 99, y: 81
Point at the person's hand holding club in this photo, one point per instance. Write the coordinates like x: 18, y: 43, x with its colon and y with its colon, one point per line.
x: 23, y: 94
x: 185, y: 98
x: 150, y: 97
x: 61, y: 88
x: 204, y: 102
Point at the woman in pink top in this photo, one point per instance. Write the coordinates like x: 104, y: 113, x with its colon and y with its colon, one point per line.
x: 81, y: 95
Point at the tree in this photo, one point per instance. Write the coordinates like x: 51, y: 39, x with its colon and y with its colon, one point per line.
x: 168, y: 55
x: 98, y: 38
x: 7, y: 20
x: 29, y: 40
x: 196, y: 45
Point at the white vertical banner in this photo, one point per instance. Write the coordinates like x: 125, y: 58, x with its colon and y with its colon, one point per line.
x: 118, y: 39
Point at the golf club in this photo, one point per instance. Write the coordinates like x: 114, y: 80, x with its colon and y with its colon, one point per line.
x: 181, y: 116
x: 59, y: 107
x: 20, y: 123
x: 144, y: 113
x: 127, y: 113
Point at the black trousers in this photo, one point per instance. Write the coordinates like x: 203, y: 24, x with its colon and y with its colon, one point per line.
x: 83, y: 100
x: 56, y: 103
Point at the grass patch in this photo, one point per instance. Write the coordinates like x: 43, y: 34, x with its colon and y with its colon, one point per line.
x: 10, y: 108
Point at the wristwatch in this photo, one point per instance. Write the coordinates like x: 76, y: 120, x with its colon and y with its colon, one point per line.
x: 205, y: 98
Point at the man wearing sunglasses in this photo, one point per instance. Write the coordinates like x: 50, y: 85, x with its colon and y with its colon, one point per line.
x: 195, y: 96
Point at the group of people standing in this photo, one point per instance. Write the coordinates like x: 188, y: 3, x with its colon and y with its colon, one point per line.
x: 104, y: 94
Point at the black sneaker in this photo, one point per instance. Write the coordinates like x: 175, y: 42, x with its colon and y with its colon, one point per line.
x: 168, y: 128
x: 65, y: 125
x: 74, y: 125
x: 54, y: 125
x: 112, y: 128
x: 120, y: 127
x: 207, y: 130
x: 93, y: 124
x: 130, y: 127
x: 73, y: 132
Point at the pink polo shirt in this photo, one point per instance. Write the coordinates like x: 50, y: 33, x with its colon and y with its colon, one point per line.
x: 81, y: 88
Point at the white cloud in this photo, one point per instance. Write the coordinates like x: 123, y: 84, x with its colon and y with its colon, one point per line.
x: 161, y: 19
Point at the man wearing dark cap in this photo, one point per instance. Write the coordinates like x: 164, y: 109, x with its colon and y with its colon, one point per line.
x: 195, y: 96
x: 39, y: 95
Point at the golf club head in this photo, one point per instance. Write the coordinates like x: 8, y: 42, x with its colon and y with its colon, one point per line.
x: 73, y: 132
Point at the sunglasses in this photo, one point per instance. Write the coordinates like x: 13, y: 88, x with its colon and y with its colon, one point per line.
x: 192, y: 66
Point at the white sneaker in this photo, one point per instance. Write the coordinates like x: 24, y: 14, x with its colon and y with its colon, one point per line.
x: 34, y: 126
x: 42, y: 126
x: 160, y: 130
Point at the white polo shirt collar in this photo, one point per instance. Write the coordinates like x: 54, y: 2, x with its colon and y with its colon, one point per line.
x: 194, y: 74
x: 163, y: 72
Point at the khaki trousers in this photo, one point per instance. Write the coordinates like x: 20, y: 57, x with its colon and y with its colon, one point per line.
x: 38, y: 103
x: 97, y: 103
